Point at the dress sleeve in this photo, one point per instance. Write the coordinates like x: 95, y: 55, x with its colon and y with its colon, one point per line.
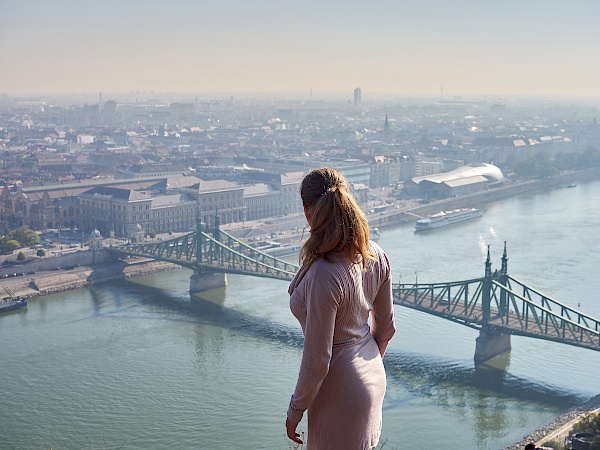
x: 382, y: 320
x: 323, y: 295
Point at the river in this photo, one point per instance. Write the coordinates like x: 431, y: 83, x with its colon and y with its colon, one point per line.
x: 139, y: 365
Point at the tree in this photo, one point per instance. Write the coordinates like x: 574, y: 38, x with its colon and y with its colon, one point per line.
x: 25, y: 235
x: 21, y: 256
x: 11, y: 245
x: 41, y: 252
x: 589, y: 158
x: 547, y: 170
x: 527, y: 168
x: 589, y: 423
x: 565, y: 161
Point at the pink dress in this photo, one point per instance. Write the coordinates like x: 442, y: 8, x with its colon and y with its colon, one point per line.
x: 342, y: 380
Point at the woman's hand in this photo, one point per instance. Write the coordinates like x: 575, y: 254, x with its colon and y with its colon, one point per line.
x: 291, y: 431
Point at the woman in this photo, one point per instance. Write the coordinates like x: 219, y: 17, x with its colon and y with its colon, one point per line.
x: 344, y: 277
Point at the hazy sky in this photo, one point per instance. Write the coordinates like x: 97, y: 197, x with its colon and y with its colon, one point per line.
x: 505, y: 47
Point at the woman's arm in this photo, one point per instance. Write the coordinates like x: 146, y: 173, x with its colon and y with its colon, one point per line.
x: 382, y: 315
x: 323, y: 294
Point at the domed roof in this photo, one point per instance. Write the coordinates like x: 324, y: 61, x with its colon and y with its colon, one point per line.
x: 488, y: 171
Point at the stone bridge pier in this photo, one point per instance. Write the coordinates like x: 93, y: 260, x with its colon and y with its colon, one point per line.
x: 489, y: 345
x: 201, y: 281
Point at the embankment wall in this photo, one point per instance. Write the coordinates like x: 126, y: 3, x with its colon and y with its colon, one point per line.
x: 43, y: 283
x: 45, y: 263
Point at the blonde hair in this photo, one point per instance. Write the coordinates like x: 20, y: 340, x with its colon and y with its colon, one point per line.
x: 336, y: 222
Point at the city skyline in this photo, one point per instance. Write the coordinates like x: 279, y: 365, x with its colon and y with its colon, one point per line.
x: 465, y: 48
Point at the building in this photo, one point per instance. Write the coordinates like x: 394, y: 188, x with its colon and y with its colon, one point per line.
x: 156, y: 170
x: 261, y: 201
x: 124, y: 212
x: 464, y: 180
x: 357, y: 98
x: 54, y: 206
x: 224, y: 197
x: 278, y: 195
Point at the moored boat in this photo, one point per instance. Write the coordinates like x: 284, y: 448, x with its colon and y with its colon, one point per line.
x: 444, y: 218
x: 12, y: 305
x: 283, y: 250
x: 374, y: 234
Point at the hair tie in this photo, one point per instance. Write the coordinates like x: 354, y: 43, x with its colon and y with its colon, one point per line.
x: 330, y: 188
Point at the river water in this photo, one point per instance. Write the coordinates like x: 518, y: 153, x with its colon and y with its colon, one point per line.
x: 139, y: 364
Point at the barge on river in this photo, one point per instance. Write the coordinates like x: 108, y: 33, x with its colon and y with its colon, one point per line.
x: 12, y: 305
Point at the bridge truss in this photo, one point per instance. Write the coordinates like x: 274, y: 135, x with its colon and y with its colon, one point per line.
x: 496, y: 303
x: 213, y: 251
x: 502, y: 304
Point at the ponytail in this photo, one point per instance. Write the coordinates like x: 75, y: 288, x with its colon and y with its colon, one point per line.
x: 336, y: 222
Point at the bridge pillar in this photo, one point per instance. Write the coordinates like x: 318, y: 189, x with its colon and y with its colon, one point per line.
x: 488, y: 345
x: 205, y: 281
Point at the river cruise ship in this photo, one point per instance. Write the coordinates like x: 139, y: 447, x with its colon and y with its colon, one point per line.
x: 444, y: 218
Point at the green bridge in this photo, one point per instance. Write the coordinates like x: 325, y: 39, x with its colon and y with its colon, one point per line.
x: 497, y: 305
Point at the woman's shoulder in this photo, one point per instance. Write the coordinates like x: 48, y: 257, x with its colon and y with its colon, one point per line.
x: 329, y: 269
x: 325, y: 265
x: 376, y: 249
x: 381, y: 257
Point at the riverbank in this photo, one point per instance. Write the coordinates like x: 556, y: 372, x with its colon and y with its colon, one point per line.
x: 60, y: 280
x: 559, y: 429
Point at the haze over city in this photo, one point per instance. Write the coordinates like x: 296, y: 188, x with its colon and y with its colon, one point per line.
x: 427, y: 48
x: 152, y: 157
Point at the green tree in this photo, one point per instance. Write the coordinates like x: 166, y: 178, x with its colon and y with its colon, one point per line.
x: 25, y: 235
x: 589, y: 423
x: 556, y: 445
x: 589, y: 158
x: 545, y: 167
x: 547, y: 170
x: 565, y: 161
x: 10, y: 245
x: 21, y: 256
x: 41, y: 252
x: 527, y: 168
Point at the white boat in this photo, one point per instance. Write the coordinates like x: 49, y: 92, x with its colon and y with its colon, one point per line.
x: 283, y: 250
x: 374, y: 234
x: 444, y: 218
